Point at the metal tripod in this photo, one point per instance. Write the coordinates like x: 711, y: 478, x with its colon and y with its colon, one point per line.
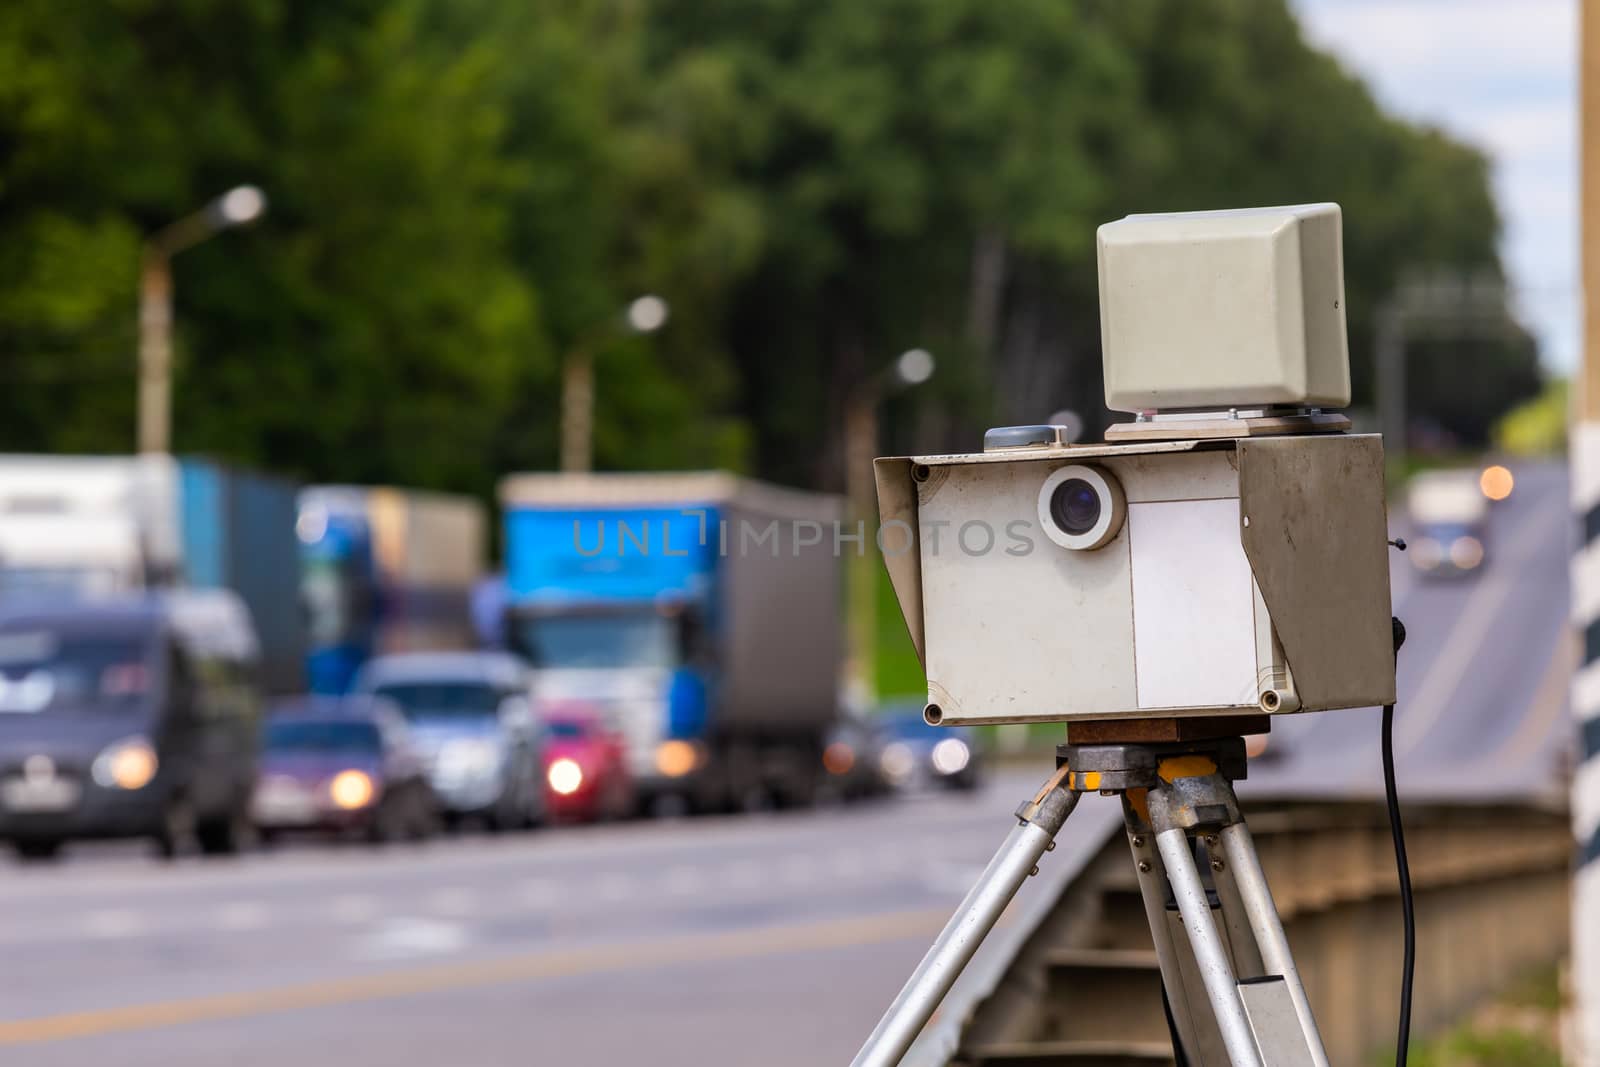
x: 1235, y: 996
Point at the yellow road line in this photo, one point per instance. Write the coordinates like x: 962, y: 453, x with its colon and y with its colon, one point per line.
x: 833, y: 933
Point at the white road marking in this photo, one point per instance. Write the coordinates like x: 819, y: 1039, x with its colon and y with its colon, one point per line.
x: 243, y: 915
x: 353, y: 907
x: 114, y: 922
x: 411, y: 937
x: 452, y: 900
x: 1420, y: 710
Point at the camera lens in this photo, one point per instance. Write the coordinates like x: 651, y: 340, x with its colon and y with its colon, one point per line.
x: 1075, y: 506
x: 1081, y: 507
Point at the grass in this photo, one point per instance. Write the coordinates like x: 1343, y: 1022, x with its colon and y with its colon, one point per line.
x: 1519, y: 1029
x: 898, y: 671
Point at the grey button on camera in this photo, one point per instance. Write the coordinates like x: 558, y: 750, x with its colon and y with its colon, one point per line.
x: 1005, y: 438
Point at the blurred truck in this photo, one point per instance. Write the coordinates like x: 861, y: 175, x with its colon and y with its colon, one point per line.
x: 699, y: 612
x: 384, y: 571
x: 88, y: 526
x: 1449, y: 518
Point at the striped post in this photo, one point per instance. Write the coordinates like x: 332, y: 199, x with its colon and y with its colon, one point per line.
x: 1585, y: 461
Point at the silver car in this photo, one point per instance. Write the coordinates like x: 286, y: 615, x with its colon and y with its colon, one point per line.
x: 471, y: 716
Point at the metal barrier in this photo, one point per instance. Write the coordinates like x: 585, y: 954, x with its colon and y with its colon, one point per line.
x: 1080, y: 984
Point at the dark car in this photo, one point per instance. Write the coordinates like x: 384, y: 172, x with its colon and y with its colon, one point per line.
x: 344, y: 767
x: 853, y: 758
x: 1447, y: 549
x: 915, y: 753
x: 586, y: 767
x: 135, y: 718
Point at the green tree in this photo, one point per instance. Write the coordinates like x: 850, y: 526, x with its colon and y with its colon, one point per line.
x: 465, y: 192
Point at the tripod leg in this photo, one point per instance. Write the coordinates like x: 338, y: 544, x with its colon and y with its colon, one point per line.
x: 1241, y: 939
x: 1177, y: 969
x: 1221, y: 988
x: 1240, y: 851
x: 1038, y: 823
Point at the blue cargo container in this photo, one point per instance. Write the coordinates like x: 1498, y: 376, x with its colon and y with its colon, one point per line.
x: 385, y: 570
x: 687, y: 608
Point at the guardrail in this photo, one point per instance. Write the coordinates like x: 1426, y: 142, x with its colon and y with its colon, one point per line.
x: 1079, y: 983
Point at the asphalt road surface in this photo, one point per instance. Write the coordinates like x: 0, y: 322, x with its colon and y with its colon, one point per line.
x: 1482, y: 678
x: 772, y: 940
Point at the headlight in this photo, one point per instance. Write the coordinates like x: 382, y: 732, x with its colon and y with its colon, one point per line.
x: 1466, y: 552
x: 1427, y: 553
x: 350, y: 789
x: 471, y: 758
x: 565, y: 776
x: 951, y: 756
x: 897, y: 762
x: 676, y: 758
x: 126, y: 764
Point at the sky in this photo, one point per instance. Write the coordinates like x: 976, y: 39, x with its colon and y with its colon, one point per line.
x: 1500, y: 74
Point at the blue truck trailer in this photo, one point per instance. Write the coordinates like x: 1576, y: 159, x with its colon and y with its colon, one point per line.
x: 699, y: 612
x: 83, y: 526
x: 385, y: 570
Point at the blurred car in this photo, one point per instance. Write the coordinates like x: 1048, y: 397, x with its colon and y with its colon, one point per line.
x: 585, y: 767
x: 853, y: 758
x: 128, y: 718
x: 342, y: 767
x: 915, y: 753
x: 471, y: 716
x: 1449, y: 518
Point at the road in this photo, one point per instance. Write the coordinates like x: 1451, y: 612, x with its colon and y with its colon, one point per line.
x: 771, y: 940
x: 1482, y: 677
x: 674, y: 940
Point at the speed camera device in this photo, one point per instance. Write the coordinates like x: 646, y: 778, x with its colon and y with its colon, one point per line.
x: 1223, y: 554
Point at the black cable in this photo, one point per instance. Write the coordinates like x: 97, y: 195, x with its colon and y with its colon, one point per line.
x: 1407, y: 912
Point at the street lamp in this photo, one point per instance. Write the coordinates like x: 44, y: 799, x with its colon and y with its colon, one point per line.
x: 645, y: 315
x: 237, y: 207
x: 911, y: 368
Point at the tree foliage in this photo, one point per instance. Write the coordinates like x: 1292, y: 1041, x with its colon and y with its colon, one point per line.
x: 463, y: 192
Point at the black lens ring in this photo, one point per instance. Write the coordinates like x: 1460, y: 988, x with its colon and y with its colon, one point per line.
x: 1076, y: 507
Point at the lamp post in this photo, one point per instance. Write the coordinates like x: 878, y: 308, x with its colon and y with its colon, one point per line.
x: 912, y: 368
x: 237, y: 207
x: 645, y: 315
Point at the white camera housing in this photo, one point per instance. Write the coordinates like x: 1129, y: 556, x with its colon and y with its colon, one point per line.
x: 1208, y: 310
x: 1227, y: 556
x: 1242, y: 576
